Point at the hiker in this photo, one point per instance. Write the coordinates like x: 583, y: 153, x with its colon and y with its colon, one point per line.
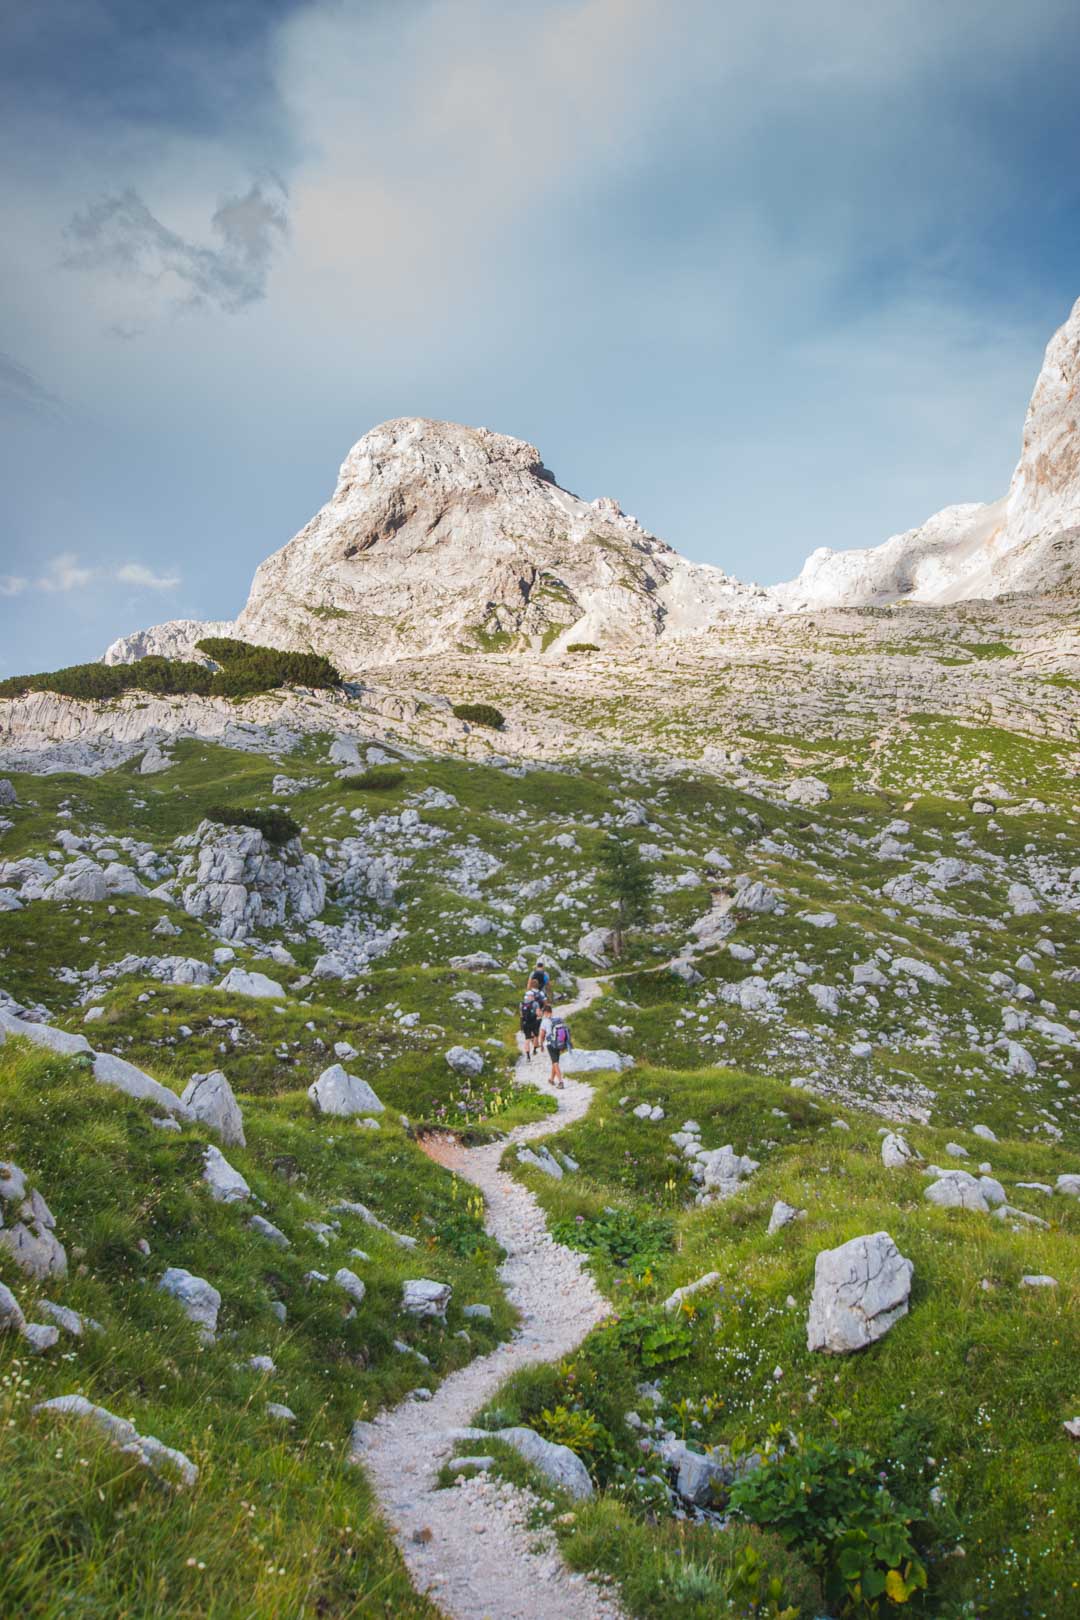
x: 539, y: 980
x: 530, y: 1022
x: 555, y: 1033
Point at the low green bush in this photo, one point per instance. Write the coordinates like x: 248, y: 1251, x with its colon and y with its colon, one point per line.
x: 582, y: 646
x: 276, y: 826
x: 245, y: 670
x: 377, y: 779
x: 630, y: 1242
x: 827, y: 1501
x: 480, y: 714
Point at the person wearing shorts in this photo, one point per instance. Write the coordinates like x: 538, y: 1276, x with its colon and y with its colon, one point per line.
x: 547, y: 1035
x: 530, y: 1025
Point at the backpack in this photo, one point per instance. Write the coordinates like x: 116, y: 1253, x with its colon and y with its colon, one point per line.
x: 561, y: 1035
x: 528, y: 1009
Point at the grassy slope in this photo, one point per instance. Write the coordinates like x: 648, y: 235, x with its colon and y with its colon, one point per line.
x: 977, y: 1378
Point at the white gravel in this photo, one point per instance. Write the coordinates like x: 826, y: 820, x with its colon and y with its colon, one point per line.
x: 470, y: 1548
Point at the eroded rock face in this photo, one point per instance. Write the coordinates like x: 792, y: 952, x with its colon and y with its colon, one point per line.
x: 1029, y: 541
x: 861, y: 1290
x: 439, y: 534
x: 28, y: 1229
x: 238, y: 882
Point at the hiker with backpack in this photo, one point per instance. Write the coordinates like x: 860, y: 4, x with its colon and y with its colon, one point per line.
x: 555, y: 1033
x: 539, y: 980
x: 530, y: 1022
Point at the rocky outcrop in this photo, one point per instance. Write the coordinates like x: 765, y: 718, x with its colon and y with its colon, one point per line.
x: 175, y: 639
x: 1028, y: 541
x: 239, y: 882
x: 439, y: 537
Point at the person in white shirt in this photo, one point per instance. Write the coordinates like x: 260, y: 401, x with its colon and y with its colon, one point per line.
x: 550, y: 1039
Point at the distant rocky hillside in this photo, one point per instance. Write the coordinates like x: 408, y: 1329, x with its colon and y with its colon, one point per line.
x: 441, y: 538
x: 1027, y: 541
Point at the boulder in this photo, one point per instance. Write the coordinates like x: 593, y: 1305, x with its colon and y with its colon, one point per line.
x: 160, y: 1459
x: 558, y: 1464
x: 338, y: 1092
x: 240, y: 982
x: 240, y: 883
x: 154, y: 761
x: 54, y: 1040
x: 121, y: 1075
x: 1069, y: 1185
x: 532, y: 926
x: 422, y: 1297
x: 861, y: 1289
x: 199, y: 1299
x: 8, y: 796
x: 212, y: 1101
x: 83, y: 880
x: 227, y: 1186
x: 783, y: 1215
x: 351, y: 1284
x: 895, y: 1152
x: 466, y: 1060
x: 806, y: 790
x: 11, y: 1316
x: 956, y: 1189
x: 596, y: 946
x: 475, y: 962
x: 30, y: 1239
x: 40, y: 1336
x: 266, y: 1229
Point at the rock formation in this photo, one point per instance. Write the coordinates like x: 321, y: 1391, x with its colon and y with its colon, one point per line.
x: 1028, y: 541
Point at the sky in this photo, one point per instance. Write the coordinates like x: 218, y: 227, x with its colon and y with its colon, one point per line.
x: 774, y: 276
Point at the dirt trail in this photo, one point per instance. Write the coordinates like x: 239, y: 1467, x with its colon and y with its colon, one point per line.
x: 470, y: 1548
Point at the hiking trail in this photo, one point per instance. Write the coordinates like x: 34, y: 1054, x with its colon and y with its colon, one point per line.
x: 471, y: 1548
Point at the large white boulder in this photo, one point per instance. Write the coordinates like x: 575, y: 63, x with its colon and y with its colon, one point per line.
x: 338, y: 1092
x: 806, y: 790
x: 54, y: 1040
x: 956, y: 1189
x: 212, y: 1101
x: 861, y: 1289
x: 240, y: 982
x: 117, y: 1072
x: 466, y: 1060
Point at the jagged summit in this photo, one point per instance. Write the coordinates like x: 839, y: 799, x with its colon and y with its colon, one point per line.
x: 1027, y: 541
x: 440, y: 537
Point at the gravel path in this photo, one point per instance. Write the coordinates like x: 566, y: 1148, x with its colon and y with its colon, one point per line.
x: 470, y: 1548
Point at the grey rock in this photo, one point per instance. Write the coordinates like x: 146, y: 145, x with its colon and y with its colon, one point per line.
x: 160, y: 1459
x: 121, y: 1075
x: 422, y: 1297
x: 239, y: 982
x: 688, y: 1290
x: 465, y: 1060
x: 1069, y: 1185
x: 340, y: 1093
x: 40, y: 1337
x: 556, y: 1463
x: 199, y: 1299
x: 266, y: 1229
x: 351, y: 1284
x: 212, y: 1101
x: 478, y: 1311
x: 227, y: 1186
x: 895, y: 1152
x: 1038, y: 1280
x: 783, y: 1215
x: 281, y: 1414
x: 11, y: 1316
x: 861, y: 1290
x: 956, y: 1189
x: 54, y: 1040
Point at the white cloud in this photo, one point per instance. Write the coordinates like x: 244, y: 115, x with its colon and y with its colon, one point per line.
x: 139, y: 574
x: 65, y: 574
x: 12, y: 585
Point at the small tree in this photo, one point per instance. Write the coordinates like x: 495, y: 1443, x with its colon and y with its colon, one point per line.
x: 626, y: 883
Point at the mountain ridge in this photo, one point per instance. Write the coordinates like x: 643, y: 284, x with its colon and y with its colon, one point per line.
x: 442, y: 538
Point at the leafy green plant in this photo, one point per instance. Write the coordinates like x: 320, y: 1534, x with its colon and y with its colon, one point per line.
x: 584, y: 1434
x: 667, y: 1341
x: 627, y: 1240
x: 377, y: 779
x: 827, y: 1501
x: 276, y: 826
x: 582, y: 646
x: 480, y: 714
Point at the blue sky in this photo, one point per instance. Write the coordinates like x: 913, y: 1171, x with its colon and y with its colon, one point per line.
x: 775, y: 276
